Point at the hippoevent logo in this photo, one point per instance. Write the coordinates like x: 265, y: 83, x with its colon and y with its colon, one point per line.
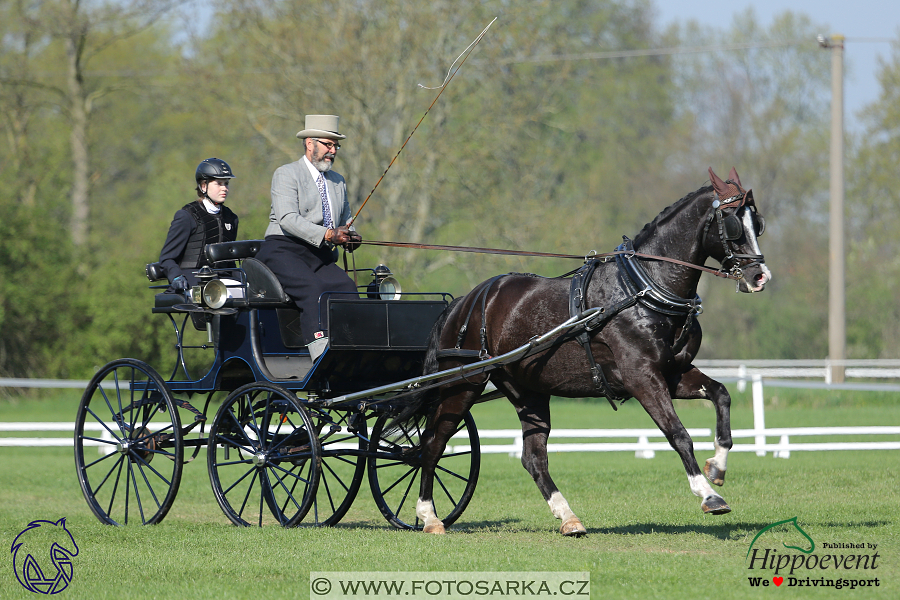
x: 42, y: 556
x: 775, y: 562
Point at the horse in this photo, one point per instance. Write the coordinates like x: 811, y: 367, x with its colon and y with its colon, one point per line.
x: 639, y: 341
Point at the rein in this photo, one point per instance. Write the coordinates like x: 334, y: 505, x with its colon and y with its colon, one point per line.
x: 604, y: 257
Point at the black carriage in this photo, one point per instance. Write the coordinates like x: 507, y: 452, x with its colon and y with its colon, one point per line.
x: 284, y: 446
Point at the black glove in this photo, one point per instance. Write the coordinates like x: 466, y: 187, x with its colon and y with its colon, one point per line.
x: 354, y: 242
x: 340, y: 235
x: 180, y: 284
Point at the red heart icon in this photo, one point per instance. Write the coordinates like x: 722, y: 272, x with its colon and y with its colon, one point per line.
x: 778, y: 580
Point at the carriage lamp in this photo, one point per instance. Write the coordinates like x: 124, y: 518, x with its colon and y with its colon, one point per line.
x: 383, y: 285
x: 211, y: 292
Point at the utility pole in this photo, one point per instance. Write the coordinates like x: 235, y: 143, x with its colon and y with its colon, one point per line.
x: 836, y: 288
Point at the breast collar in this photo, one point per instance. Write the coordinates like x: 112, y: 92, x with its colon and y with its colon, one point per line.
x: 649, y: 293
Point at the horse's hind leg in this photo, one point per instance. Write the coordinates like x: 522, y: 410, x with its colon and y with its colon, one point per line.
x: 457, y: 399
x: 534, y: 414
x: 695, y: 384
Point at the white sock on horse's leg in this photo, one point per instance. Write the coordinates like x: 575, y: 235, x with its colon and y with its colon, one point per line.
x: 426, y: 513
x: 559, y: 507
x: 571, y: 525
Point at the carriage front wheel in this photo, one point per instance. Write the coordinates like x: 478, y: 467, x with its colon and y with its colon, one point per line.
x: 395, y: 468
x: 128, y: 444
x: 263, y: 456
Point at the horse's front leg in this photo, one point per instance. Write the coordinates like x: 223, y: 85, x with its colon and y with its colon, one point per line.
x: 655, y: 399
x: 695, y: 384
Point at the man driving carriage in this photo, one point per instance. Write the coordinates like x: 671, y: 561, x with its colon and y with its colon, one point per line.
x: 205, y: 221
x: 307, y: 221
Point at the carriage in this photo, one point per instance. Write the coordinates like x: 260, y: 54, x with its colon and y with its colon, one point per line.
x: 292, y: 440
x: 279, y: 448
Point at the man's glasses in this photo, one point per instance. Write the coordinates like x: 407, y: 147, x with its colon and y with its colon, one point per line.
x: 330, y: 145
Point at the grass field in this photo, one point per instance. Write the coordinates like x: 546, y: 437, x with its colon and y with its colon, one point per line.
x: 647, y: 536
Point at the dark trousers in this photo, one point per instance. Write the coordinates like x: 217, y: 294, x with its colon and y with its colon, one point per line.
x: 309, y: 276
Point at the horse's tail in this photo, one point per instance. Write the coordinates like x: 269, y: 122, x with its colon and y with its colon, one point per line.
x: 421, y: 403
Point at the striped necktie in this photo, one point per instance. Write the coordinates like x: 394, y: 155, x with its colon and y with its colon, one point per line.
x: 326, y: 208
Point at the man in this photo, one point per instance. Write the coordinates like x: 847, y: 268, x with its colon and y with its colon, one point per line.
x: 204, y: 221
x: 308, y: 219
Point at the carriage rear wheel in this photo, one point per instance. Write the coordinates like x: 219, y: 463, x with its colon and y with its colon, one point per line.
x: 129, y: 415
x: 394, y: 471
x: 263, y: 456
x: 344, y: 440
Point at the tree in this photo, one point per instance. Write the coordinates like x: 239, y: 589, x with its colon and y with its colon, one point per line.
x: 74, y: 33
x: 872, y: 202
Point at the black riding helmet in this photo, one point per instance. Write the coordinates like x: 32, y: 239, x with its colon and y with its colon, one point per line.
x: 213, y: 168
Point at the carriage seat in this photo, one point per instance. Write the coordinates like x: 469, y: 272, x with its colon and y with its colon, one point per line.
x: 263, y: 288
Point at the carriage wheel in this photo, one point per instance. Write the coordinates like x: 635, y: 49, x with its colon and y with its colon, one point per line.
x: 129, y: 414
x: 344, y: 440
x: 394, y: 470
x: 263, y: 457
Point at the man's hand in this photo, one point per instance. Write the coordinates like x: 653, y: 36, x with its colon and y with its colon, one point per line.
x: 354, y: 242
x: 341, y: 235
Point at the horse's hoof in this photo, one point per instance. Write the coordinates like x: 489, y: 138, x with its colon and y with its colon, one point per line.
x: 436, y: 528
x: 715, y: 505
x: 713, y: 473
x: 573, y: 527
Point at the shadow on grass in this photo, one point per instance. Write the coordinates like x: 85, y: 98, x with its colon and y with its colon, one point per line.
x: 725, y: 531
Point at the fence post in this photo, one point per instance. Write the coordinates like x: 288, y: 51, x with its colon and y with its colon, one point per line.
x: 647, y: 452
x: 742, y: 378
x: 759, y: 415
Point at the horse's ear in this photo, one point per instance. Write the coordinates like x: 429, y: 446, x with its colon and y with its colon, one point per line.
x: 720, y: 186
x: 734, y: 177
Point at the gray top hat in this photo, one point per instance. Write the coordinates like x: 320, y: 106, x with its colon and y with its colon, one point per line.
x: 321, y: 126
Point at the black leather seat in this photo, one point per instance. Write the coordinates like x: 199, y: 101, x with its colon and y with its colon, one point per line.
x: 263, y: 288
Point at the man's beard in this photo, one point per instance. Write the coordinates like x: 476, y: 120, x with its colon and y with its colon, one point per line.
x: 319, y: 162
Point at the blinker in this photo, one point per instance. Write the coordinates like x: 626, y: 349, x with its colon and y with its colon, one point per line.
x: 734, y: 229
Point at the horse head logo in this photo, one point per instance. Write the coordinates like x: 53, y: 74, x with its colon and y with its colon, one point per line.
x: 30, y: 550
x: 791, y: 521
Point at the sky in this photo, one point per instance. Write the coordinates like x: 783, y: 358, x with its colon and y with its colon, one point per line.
x: 860, y: 21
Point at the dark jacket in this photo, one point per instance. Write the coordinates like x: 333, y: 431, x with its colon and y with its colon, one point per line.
x: 191, y: 229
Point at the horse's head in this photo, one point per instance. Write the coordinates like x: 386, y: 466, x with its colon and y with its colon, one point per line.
x: 731, y: 234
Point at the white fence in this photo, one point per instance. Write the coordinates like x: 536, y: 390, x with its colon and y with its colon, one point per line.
x: 757, y: 373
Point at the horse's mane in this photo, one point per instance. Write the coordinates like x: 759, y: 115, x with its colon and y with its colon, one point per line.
x: 668, y: 212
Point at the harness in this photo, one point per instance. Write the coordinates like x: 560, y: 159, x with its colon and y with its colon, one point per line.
x: 640, y: 289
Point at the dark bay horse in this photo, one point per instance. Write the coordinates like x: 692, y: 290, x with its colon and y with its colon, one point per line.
x: 641, y: 345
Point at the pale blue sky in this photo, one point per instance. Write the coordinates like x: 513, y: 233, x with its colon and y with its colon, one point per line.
x: 860, y: 21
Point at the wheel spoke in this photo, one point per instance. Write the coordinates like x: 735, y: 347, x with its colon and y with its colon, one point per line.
x: 394, y: 468
x: 263, y: 422
x: 151, y: 429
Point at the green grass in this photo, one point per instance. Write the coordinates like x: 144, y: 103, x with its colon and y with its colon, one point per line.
x: 647, y: 536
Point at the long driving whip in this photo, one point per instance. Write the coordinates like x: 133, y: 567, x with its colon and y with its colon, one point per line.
x: 464, y: 56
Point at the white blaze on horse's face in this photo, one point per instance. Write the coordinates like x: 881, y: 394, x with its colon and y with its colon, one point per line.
x: 763, y: 278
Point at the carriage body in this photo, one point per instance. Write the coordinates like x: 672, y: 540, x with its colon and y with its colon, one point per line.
x: 277, y: 450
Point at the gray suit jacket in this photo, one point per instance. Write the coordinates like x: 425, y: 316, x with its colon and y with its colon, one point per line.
x: 297, y: 206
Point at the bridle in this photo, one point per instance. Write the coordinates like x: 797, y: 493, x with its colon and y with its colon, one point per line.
x: 730, y: 229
